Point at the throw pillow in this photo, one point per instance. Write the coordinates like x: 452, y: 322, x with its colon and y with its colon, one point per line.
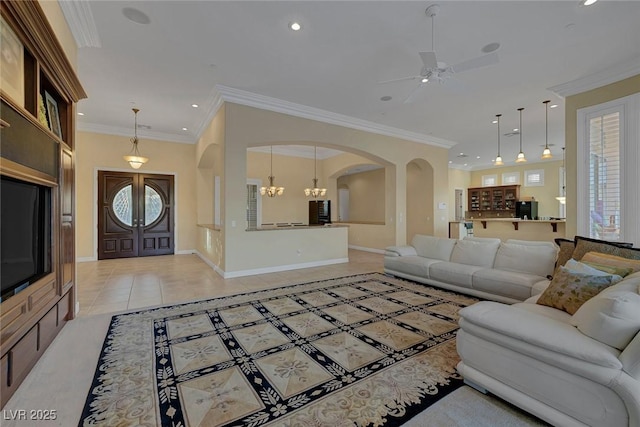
x: 582, y: 267
x: 611, y: 317
x: 612, y: 260
x: 585, y: 245
x: 566, y: 250
x: 611, y: 269
x: 568, y: 291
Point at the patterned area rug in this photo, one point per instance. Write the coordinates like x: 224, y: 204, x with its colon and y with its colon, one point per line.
x: 365, y: 350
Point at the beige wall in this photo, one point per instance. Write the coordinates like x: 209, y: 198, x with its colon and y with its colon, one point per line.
x: 545, y: 195
x: 294, y: 174
x: 419, y: 199
x: 366, y: 195
x: 97, y: 151
x: 247, y: 126
x: 572, y: 105
x: 60, y: 27
x: 458, y: 179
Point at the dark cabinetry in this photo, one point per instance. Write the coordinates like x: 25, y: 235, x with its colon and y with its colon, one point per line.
x: 501, y: 199
x: 37, y: 147
x: 319, y: 212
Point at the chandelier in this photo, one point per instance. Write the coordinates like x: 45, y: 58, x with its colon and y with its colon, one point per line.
x: 271, y: 190
x: 134, y: 158
x: 315, y: 192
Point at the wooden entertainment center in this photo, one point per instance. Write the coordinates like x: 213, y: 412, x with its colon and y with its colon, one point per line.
x: 37, y: 147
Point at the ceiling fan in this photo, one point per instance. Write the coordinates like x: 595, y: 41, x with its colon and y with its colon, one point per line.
x: 432, y: 70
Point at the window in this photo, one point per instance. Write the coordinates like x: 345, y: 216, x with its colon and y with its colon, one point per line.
x: 489, y: 180
x: 607, y: 189
x: 534, y: 178
x: 511, y: 178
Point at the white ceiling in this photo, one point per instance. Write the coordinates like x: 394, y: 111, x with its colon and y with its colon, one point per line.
x: 335, y: 63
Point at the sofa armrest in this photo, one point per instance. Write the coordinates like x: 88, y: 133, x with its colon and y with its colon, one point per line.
x: 554, y: 341
x: 630, y: 357
x: 393, y: 251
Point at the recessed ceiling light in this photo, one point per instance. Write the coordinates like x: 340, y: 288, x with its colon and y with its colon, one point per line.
x: 184, y: 129
x: 494, y: 122
x: 553, y: 106
x: 516, y: 129
x: 81, y: 114
x: 491, y: 47
x: 588, y: 2
x: 295, y: 26
x: 493, y: 160
x: 194, y: 105
x: 465, y: 164
x: 450, y: 161
x: 462, y: 154
x: 385, y: 98
x: 477, y: 157
x: 135, y: 15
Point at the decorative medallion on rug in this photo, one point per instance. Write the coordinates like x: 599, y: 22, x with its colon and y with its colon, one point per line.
x: 365, y: 350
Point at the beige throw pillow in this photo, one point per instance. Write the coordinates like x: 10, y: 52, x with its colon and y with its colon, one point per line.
x: 569, y: 290
x: 612, y: 260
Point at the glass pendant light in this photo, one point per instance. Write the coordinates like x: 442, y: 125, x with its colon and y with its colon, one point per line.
x: 498, y: 161
x: 546, y: 153
x: 134, y: 158
x: 521, y: 158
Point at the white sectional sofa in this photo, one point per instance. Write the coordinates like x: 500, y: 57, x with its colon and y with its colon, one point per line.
x: 507, y: 272
x: 580, y: 370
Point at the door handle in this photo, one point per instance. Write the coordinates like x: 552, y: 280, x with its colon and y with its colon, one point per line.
x: 135, y: 222
x: 140, y: 222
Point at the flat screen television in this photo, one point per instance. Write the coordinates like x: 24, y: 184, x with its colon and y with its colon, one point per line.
x: 25, y: 234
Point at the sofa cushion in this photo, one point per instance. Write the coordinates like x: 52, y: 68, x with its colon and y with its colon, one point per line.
x: 433, y: 247
x: 400, y: 251
x: 506, y: 283
x: 569, y: 290
x: 585, y: 245
x: 414, y: 265
x: 612, y: 260
x: 566, y: 248
x: 543, y: 310
x: 453, y: 273
x: 611, y: 317
x: 474, y: 252
x: 531, y: 243
x: 533, y: 259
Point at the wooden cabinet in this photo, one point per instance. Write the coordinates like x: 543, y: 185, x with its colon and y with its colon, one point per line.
x: 37, y: 147
x: 491, y: 200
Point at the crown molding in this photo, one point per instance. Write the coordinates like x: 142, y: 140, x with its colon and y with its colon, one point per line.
x: 610, y: 75
x: 80, y: 20
x: 120, y: 131
x: 250, y: 99
x: 213, y: 103
x: 297, y: 151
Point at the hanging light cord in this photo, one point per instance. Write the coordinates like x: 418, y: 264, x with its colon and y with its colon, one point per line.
x: 498, y: 116
x: 520, y: 109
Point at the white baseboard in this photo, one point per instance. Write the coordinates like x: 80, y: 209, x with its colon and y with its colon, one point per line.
x: 86, y: 259
x: 251, y: 272
x: 362, y: 248
x: 186, y: 252
x: 209, y: 263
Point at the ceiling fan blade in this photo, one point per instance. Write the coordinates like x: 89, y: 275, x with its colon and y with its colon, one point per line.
x: 480, y: 61
x: 399, y: 80
x: 429, y: 59
x: 413, y: 93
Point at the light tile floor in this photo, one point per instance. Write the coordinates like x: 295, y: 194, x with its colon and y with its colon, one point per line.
x: 109, y: 286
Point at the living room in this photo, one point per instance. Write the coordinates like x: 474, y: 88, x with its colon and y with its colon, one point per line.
x: 227, y: 147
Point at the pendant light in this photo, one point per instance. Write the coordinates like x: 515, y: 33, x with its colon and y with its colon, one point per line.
x: 134, y: 158
x: 562, y: 197
x: 521, y: 158
x: 271, y: 190
x: 315, y: 192
x: 546, y: 153
x: 498, y: 161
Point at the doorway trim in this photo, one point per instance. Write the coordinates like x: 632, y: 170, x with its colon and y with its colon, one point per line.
x: 94, y: 202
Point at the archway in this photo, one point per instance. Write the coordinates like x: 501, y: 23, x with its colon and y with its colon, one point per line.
x: 419, y: 198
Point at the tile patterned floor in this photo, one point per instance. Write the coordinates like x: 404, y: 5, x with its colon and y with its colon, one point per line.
x: 124, y: 284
